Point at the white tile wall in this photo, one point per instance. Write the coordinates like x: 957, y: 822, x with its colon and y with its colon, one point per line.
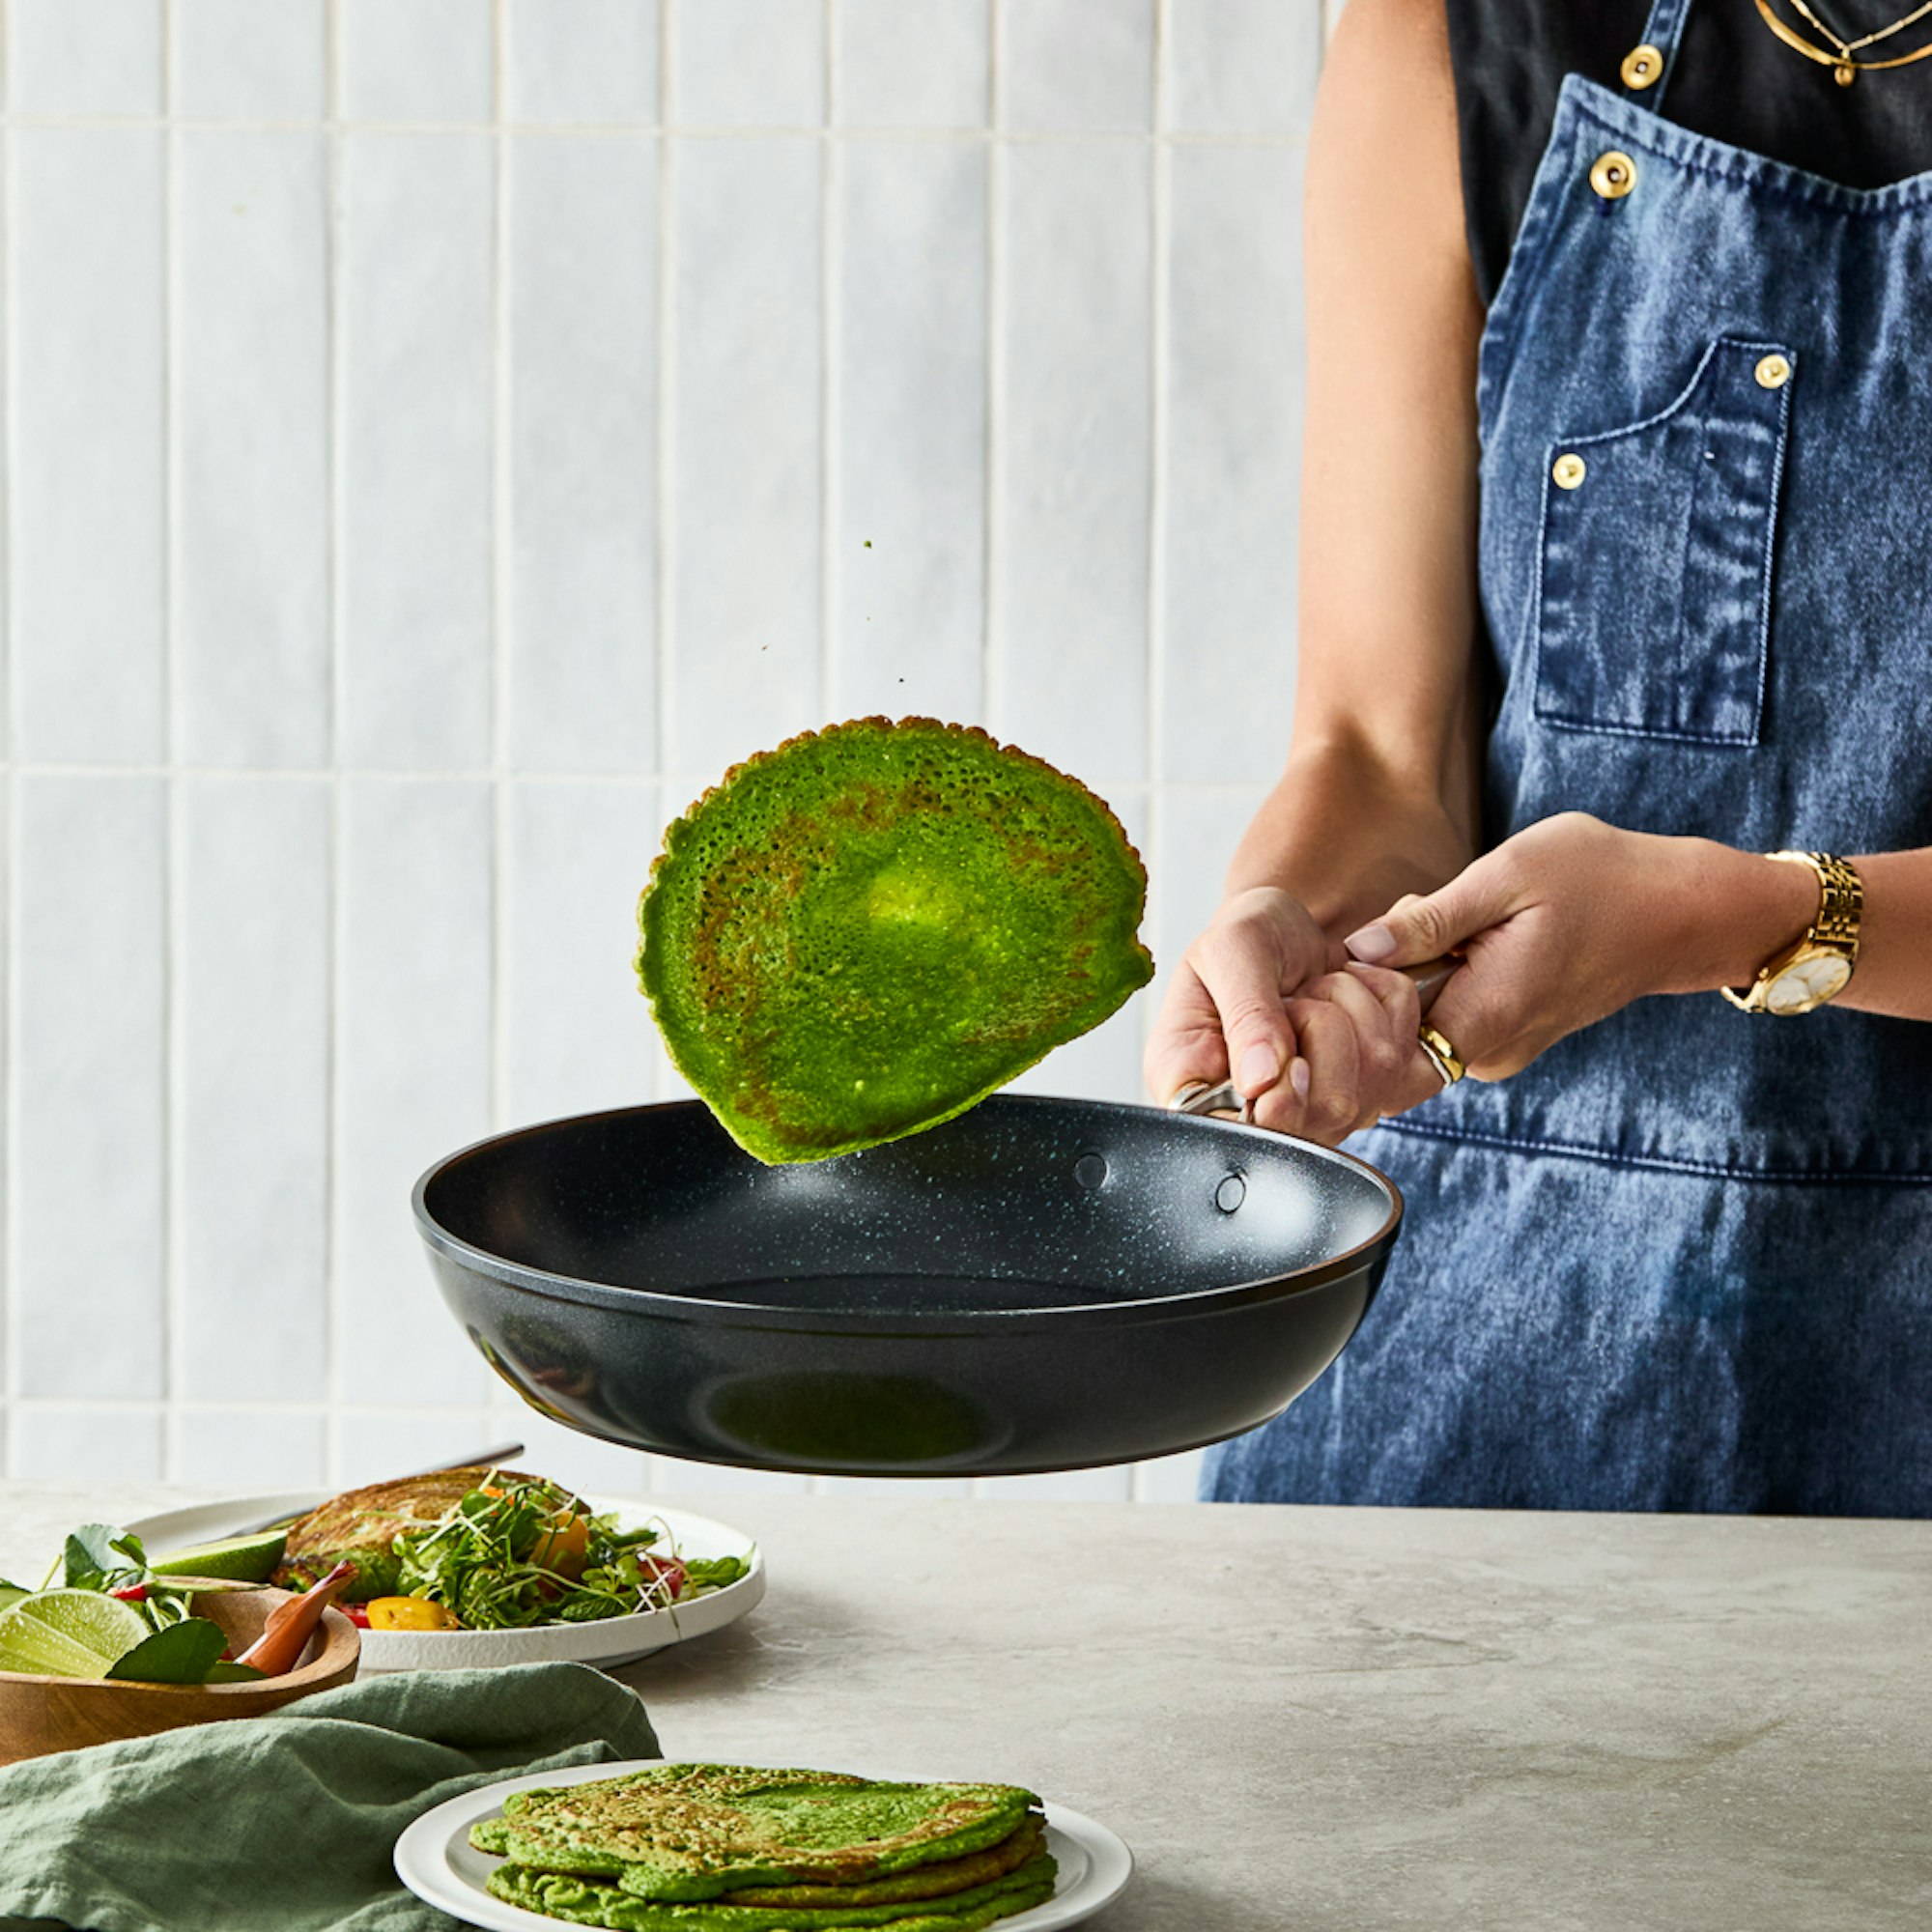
x: 582, y: 61
x: 416, y: 60
x: 414, y: 1062
x: 1242, y: 66
x: 280, y: 1448
x: 927, y: 65
x: 84, y: 56
x: 244, y: 60
x: 1077, y: 65
x: 583, y: 356
x: 87, y: 1135
x: 746, y: 522
x: 1232, y: 461
x: 250, y: 447
x: 909, y: 555
x: 439, y: 435
x: 747, y: 63
x: 417, y: 326
x: 249, y: 1088
x: 86, y: 594
x: 1072, y: 544
x: 575, y: 1032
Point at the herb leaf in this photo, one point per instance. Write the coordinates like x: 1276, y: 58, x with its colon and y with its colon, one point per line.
x: 98, y: 1551
x: 185, y: 1653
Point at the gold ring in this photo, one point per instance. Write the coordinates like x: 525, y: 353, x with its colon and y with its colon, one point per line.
x: 1443, y: 1057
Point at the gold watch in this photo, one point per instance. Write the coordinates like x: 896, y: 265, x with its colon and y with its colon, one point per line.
x: 1818, y: 968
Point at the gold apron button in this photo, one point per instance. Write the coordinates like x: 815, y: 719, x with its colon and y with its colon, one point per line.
x: 1568, y: 471
x: 1614, y: 176
x: 1642, y: 66
x: 1772, y: 373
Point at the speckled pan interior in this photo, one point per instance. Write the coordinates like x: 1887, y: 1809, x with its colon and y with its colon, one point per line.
x: 1038, y: 1284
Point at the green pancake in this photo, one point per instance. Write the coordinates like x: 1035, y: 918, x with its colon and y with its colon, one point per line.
x: 588, y: 1901
x: 946, y: 1879
x: 872, y: 927
x: 687, y: 1832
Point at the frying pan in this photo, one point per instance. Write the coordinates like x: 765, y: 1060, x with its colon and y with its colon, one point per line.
x: 1040, y: 1284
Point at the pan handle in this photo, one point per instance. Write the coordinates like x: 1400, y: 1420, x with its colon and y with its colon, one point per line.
x: 1224, y: 1099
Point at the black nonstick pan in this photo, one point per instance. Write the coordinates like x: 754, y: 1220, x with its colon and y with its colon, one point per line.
x: 1040, y: 1284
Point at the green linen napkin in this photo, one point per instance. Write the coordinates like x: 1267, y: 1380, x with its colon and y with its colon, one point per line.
x: 287, y: 1823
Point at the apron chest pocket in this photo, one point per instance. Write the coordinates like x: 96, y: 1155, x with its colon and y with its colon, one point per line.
x: 1654, y: 591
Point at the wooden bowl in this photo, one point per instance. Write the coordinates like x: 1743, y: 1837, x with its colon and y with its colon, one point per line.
x: 39, y: 1715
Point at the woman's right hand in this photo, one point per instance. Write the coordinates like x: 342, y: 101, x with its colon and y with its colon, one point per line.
x: 1322, y: 1054
x: 1225, y: 1017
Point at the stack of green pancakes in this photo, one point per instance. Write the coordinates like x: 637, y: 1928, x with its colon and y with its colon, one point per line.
x: 727, y: 1848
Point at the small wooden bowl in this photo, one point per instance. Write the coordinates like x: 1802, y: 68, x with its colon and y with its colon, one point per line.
x: 39, y: 1715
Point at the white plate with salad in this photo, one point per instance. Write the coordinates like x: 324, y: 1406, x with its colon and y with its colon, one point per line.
x: 672, y: 1562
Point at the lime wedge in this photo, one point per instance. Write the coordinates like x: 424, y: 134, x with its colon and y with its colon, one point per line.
x: 68, y: 1633
x: 249, y: 1559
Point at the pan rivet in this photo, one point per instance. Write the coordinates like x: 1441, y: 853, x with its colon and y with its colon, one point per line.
x: 1091, y: 1172
x: 1231, y: 1193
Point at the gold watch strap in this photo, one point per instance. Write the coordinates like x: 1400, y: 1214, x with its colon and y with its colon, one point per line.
x: 1834, y: 927
x: 1842, y: 899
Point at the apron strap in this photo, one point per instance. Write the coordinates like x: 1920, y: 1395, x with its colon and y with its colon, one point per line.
x: 1663, y: 29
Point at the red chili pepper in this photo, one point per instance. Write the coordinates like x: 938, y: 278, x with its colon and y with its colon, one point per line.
x: 134, y: 1592
x: 290, y: 1624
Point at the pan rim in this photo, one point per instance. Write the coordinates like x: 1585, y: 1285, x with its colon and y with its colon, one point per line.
x: 666, y: 1305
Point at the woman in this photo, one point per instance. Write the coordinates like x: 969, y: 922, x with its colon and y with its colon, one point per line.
x: 1616, y: 577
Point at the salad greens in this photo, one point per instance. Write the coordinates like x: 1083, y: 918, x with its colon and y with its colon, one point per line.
x: 528, y: 1552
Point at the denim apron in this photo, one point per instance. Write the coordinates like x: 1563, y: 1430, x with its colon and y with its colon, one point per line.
x: 1683, y: 1259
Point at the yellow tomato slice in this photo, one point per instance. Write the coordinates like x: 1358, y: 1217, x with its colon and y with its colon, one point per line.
x: 409, y: 1613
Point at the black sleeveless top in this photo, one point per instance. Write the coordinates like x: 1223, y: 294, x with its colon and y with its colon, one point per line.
x: 1734, y: 81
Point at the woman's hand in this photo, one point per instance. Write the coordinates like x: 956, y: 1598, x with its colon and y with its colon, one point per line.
x: 1225, y: 1015
x: 1321, y: 1053
x: 1358, y: 1031
x: 1570, y: 920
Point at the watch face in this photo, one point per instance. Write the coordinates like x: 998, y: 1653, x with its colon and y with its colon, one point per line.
x: 1806, y: 984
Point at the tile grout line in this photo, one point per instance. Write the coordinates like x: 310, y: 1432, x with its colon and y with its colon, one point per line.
x: 831, y: 387
x: 335, y: 406
x: 482, y: 774
x: 1159, y: 321
x: 599, y: 130
x: 994, y: 497
x: 172, y: 1096
x: 500, y: 584
x: 665, y: 533
x: 830, y: 321
x: 994, y: 184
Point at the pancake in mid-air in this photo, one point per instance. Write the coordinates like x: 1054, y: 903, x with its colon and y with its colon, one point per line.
x: 869, y: 930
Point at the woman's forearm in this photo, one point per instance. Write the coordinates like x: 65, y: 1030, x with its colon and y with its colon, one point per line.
x: 1348, y: 837
x: 1725, y: 914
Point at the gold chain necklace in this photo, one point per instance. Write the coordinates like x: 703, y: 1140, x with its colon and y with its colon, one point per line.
x: 1844, y: 69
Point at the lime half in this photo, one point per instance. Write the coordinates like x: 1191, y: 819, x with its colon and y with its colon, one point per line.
x: 68, y: 1633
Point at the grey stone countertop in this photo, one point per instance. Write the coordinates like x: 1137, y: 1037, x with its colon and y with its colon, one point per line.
x: 1344, y: 1720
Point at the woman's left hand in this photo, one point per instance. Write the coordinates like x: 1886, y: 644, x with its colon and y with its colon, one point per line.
x: 1570, y: 920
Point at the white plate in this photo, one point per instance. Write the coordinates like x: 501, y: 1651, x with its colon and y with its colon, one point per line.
x: 613, y: 1640
x: 436, y: 1860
